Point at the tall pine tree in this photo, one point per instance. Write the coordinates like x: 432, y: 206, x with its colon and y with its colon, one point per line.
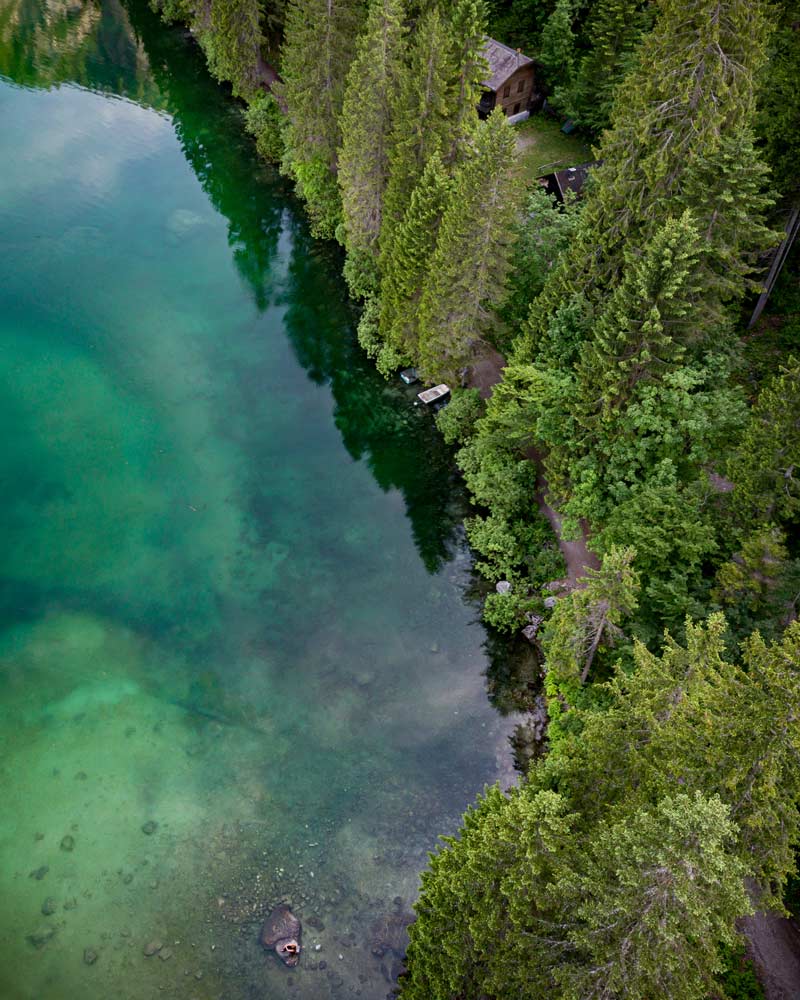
x: 406, y: 268
x: 234, y: 43
x: 468, y: 269
x: 366, y: 125
x: 614, y: 29
x: 319, y: 45
x: 422, y: 117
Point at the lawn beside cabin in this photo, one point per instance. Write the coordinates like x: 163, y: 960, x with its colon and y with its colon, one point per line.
x: 543, y: 147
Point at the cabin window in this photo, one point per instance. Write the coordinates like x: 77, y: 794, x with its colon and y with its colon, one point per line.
x: 516, y: 109
x: 520, y: 86
x: 507, y: 90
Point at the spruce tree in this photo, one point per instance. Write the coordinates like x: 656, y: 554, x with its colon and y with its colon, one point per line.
x: 779, y: 99
x: 468, y: 269
x: 702, y: 722
x: 582, y: 623
x: 407, y: 266
x: 234, y: 43
x: 643, y: 329
x: 557, y: 45
x: 650, y: 902
x: 421, y: 117
x: 766, y: 466
x: 319, y: 45
x: 467, y: 29
x: 614, y: 29
x: 366, y: 125
x: 623, y: 862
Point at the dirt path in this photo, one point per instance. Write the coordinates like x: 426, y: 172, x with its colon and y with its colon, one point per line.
x: 576, y: 553
x: 486, y: 373
x: 773, y: 943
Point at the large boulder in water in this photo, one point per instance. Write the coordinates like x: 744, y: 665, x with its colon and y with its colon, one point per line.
x: 281, y: 933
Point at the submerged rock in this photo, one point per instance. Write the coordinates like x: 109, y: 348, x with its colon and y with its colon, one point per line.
x: 89, y: 956
x: 390, y: 934
x: 152, y: 948
x: 67, y: 843
x: 149, y: 827
x: 39, y: 873
x: 281, y: 933
x: 40, y: 937
x: 49, y: 906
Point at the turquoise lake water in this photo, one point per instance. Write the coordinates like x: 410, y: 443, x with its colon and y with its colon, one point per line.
x: 233, y: 599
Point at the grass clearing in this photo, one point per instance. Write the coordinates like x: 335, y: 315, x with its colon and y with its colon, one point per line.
x: 543, y: 147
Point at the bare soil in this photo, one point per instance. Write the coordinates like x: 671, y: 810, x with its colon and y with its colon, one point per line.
x: 773, y: 943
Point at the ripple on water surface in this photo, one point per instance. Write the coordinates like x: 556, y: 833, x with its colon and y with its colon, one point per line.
x: 236, y: 662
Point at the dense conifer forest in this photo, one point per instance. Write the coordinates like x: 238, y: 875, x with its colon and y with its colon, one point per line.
x: 635, y: 403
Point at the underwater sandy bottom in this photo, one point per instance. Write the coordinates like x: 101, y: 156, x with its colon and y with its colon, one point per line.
x: 84, y: 772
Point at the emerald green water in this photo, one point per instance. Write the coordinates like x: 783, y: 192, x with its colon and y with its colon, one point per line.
x: 232, y: 598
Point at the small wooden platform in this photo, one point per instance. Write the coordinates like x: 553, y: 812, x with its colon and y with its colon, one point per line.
x: 434, y: 395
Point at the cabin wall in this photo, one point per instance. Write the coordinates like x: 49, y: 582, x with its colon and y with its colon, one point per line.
x: 515, y: 94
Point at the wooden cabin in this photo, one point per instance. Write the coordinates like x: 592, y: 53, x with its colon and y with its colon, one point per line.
x: 511, y: 84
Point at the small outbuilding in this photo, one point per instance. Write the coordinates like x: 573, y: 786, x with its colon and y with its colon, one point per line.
x: 511, y: 84
x: 570, y: 179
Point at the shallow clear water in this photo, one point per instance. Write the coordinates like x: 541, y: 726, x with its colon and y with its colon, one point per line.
x: 232, y: 598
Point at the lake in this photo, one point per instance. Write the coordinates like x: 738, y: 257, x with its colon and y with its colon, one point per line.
x: 239, y: 660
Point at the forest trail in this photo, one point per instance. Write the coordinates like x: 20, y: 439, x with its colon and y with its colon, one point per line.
x: 576, y: 553
x: 486, y: 373
x: 774, y: 946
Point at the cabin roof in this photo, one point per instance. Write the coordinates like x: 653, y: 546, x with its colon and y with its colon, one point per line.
x: 503, y: 63
x: 570, y: 179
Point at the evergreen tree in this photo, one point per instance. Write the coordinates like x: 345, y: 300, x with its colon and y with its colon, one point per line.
x: 766, y: 467
x: 479, y: 902
x: 407, y: 266
x: 467, y: 30
x: 759, y: 586
x: 621, y: 864
x: 650, y: 903
x: 692, y: 717
x: 582, y: 622
x: 642, y: 331
x: 614, y: 29
x: 557, y: 45
x: 468, y: 269
x: 544, y: 233
x: 366, y: 125
x: 779, y: 99
x: 671, y: 528
x: 318, y: 48
x: 234, y: 42
x: 421, y: 116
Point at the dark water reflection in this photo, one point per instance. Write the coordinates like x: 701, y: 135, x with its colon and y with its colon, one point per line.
x: 233, y: 588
